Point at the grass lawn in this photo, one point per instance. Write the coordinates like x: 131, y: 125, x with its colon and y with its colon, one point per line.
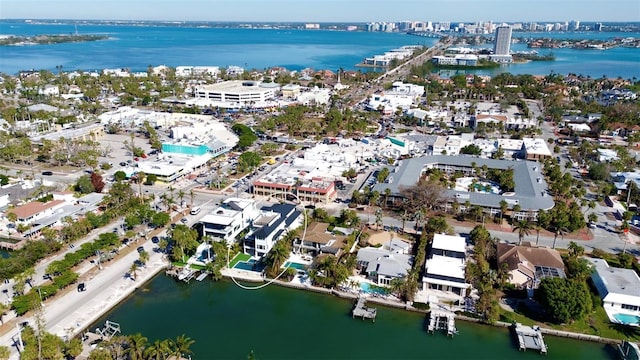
x: 597, y: 323
x: 239, y: 257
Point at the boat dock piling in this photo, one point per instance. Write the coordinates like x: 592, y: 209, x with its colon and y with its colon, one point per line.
x: 361, y: 310
x: 529, y: 337
x: 442, y: 320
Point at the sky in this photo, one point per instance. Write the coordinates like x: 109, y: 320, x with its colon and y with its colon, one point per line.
x: 325, y: 10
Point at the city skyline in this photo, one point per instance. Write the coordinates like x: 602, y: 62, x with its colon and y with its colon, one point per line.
x: 327, y: 10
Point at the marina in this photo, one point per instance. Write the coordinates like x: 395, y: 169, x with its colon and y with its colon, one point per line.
x: 363, y: 311
x: 529, y: 338
x: 442, y: 320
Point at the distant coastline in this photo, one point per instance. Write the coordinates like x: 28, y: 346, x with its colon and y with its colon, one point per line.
x: 15, y: 40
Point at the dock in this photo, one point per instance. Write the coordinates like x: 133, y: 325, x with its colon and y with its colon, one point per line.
x: 442, y: 320
x: 361, y: 310
x: 202, y: 276
x: 529, y: 337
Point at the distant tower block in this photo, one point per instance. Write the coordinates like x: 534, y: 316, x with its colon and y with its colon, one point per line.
x: 502, y: 43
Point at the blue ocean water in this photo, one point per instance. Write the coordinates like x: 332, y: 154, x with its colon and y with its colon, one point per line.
x: 137, y: 47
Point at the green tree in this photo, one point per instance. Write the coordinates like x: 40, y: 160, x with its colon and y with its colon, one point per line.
x: 248, y: 161
x: 565, y: 300
x: 182, y: 346
x: 186, y: 239
x: 523, y: 227
x: 84, y: 185
x: 160, y: 219
x: 136, y: 346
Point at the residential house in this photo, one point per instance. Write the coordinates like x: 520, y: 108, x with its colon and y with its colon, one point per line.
x: 318, y: 240
x: 619, y: 290
x: 383, y: 264
x: 32, y: 211
x: 528, y: 265
x: 229, y: 219
x: 444, y: 274
x: 270, y: 226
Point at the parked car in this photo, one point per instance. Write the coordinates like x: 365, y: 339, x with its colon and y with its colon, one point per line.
x: 155, y: 239
x: 123, y: 163
x: 47, y: 173
x: 140, y: 249
x: 82, y: 287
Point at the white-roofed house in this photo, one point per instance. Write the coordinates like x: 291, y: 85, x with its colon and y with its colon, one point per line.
x: 445, y: 268
x: 229, y: 219
x: 619, y: 290
x: 383, y: 264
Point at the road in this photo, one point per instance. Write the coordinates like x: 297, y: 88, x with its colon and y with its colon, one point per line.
x: 604, y: 239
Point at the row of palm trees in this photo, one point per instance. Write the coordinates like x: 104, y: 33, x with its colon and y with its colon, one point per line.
x: 137, y: 347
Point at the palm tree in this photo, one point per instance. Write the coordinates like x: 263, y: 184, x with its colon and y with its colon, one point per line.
x: 136, y: 346
x: 503, y: 208
x: 181, y: 195
x: 158, y: 350
x: 191, y: 196
x: 182, y: 346
x: 523, y: 227
x: 276, y: 257
x: 133, y: 271
x: 396, y: 286
x: 144, y: 257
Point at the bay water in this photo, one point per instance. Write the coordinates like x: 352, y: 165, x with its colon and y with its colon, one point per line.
x: 228, y: 322
x: 137, y: 47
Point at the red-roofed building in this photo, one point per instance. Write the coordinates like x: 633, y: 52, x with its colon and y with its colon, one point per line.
x: 35, y: 210
x: 317, y: 190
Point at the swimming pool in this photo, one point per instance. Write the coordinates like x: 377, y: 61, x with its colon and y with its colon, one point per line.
x: 295, y: 265
x: 245, y: 265
x: 372, y: 289
x: 627, y: 319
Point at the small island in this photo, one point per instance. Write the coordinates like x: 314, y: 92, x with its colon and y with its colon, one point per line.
x: 15, y: 40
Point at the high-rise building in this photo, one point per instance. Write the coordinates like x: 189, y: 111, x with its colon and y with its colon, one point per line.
x: 502, y: 42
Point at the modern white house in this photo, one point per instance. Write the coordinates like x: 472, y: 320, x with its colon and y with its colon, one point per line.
x: 383, y: 264
x: 270, y: 226
x: 619, y: 290
x: 229, y: 219
x: 444, y: 274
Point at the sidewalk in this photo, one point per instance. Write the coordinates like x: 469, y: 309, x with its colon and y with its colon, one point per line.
x: 583, y: 234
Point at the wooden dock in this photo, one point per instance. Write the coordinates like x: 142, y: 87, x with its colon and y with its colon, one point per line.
x: 442, y: 320
x: 529, y: 337
x: 361, y: 310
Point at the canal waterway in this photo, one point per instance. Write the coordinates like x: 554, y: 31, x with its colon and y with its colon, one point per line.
x: 281, y: 323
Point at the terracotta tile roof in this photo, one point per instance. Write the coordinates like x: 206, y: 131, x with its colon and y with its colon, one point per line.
x: 527, y: 257
x: 27, y: 210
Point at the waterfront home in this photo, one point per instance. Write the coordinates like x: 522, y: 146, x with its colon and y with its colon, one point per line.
x: 229, y: 219
x: 619, y: 290
x: 528, y: 265
x: 270, y: 226
x: 318, y: 240
x: 383, y: 264
x: 444, y: 274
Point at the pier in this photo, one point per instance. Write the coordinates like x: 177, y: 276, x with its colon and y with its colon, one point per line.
x: 361, y: 310
x: 529, y: 337
x: 202, y: 276
x: 442, y: 320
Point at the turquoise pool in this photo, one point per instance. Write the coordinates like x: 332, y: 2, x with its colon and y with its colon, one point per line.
x: 245, y: 265
x: 372, y: 289
x: 295, y: 265
x: 627, y: 319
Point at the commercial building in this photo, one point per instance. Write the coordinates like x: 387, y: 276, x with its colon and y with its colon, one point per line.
x: 238, y: 93
x: 445, y: 268
x: 530, y: 189
x: 502, y: 42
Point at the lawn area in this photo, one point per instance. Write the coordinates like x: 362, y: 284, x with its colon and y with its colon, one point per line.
x: 239, y: 257
x: 597, y: 323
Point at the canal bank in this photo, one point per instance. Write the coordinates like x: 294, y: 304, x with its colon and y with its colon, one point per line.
x: 280, y: 322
